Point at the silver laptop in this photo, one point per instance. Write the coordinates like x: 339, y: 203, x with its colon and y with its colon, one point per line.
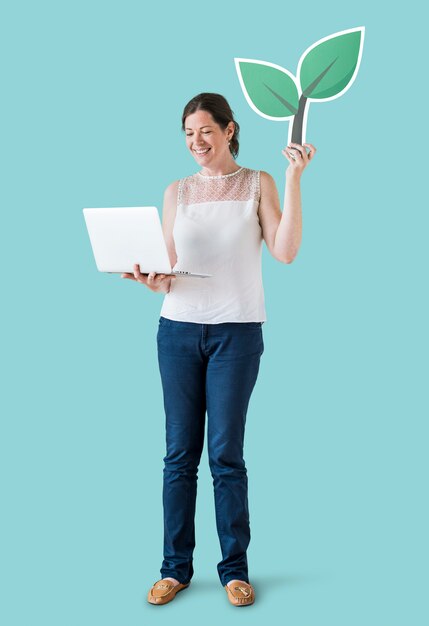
x: 123, y: 236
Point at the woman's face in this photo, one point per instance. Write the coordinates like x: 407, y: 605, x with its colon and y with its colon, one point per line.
x: 206, y: 140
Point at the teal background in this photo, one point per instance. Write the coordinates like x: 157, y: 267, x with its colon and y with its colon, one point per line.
x: 336, y: 443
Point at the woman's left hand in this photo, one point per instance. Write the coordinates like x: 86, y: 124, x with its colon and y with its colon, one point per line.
x: 298, y: 157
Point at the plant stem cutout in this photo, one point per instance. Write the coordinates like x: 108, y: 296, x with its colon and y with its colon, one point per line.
x: 326, y: 70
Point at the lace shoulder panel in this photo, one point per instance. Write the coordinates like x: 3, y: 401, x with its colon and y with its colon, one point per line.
x: 242, y: 185
x: 180, y: 190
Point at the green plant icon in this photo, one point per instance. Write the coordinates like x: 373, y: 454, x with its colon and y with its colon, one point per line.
x: 326, y: 70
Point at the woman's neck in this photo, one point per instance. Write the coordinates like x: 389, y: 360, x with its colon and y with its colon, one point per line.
x: 220, y: 170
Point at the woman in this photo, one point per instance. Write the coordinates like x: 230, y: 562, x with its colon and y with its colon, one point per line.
x: 210, y: 332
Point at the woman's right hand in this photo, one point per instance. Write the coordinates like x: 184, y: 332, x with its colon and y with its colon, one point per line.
x: 155, y: 282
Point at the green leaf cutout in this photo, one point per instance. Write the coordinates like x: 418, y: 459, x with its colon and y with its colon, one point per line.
x: 270, y: 90
x: 328, y: 67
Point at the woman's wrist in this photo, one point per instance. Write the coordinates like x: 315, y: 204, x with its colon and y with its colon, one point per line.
x: 293, y: 176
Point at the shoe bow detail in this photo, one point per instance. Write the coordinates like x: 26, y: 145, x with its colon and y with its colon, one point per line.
x: 240, y: 594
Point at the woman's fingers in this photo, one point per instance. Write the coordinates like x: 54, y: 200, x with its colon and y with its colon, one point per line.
x: 151, y: 280
x: 299, y: 151
x: 312, y: 150
x: 153, y: 277
x: 297, y: 155
x: 136, y: 270
x: 141, y: 278
x: 295, y: 149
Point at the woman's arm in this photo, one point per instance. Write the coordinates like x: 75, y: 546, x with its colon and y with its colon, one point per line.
x: 168, y: 218
x: 282, y: 232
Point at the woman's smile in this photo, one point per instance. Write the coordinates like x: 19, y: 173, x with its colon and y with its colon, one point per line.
x: 201, y: 151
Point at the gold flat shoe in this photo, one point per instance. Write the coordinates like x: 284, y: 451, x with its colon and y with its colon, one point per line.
x: 164, y: 591
x: 240, y: 593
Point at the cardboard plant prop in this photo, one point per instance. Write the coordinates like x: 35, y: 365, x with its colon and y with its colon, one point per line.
x: 325, y: 71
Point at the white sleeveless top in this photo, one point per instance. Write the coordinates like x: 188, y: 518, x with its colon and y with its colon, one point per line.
x: 217, y: 231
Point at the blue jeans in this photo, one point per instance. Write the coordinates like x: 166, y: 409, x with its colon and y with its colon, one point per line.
x: 213, y: 368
